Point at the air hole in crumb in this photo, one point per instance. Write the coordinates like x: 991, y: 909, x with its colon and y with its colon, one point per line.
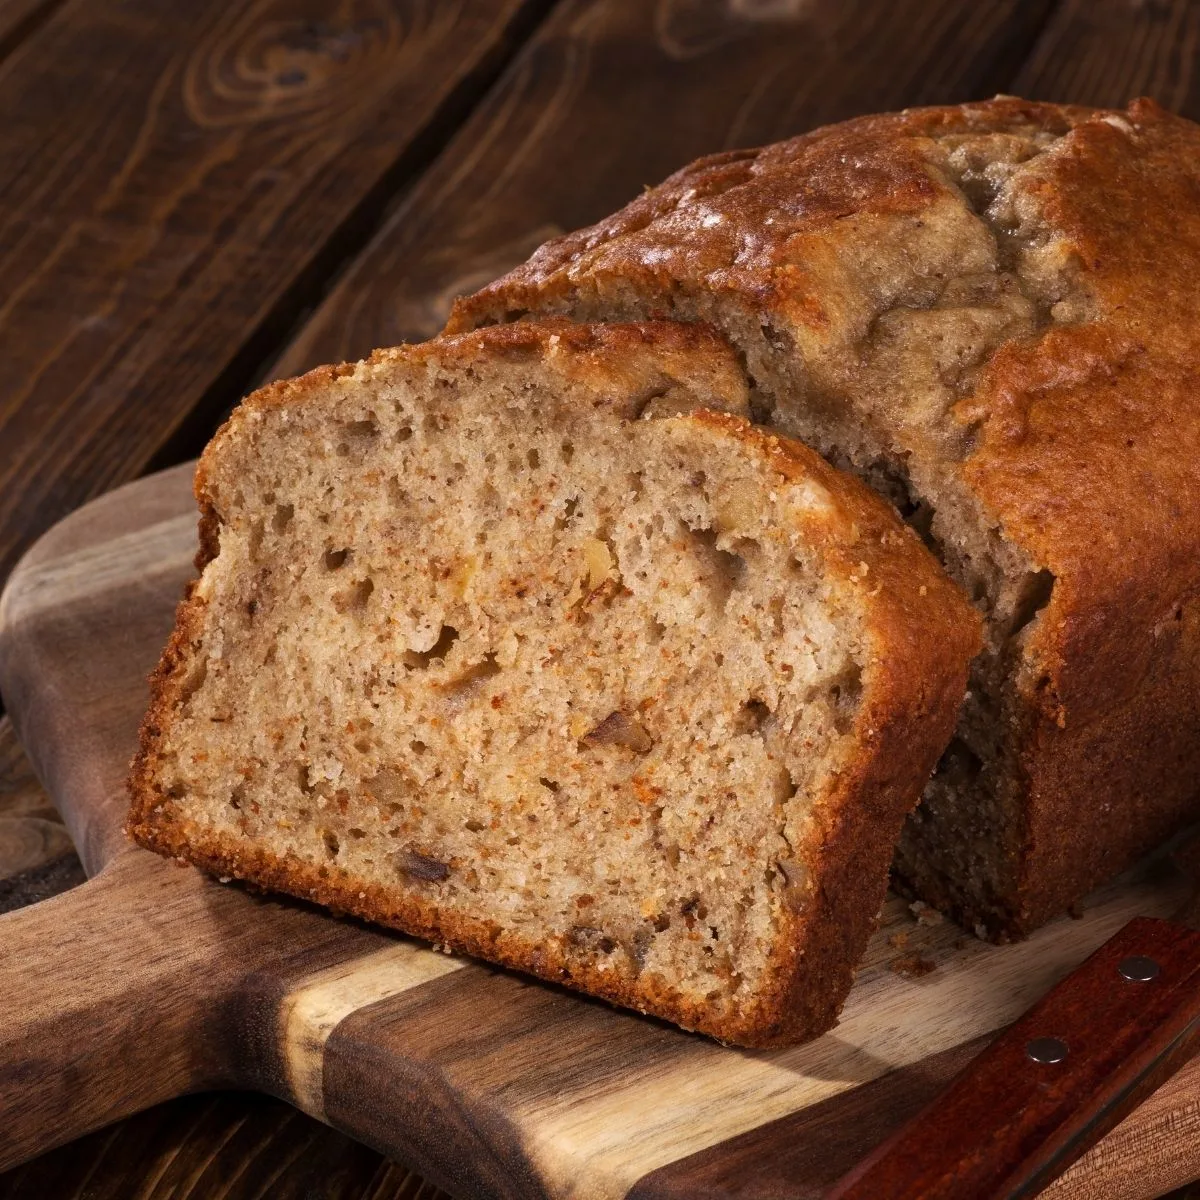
x: 785, y: 785
x: 533, y: 460
x: 752, y: 717
x: 357, y: 833
x: 332, y: 845
x: 237, y: 796
x: 569, y: 510
x: 721, y: 570
x: 418, y: 660
x: 334, y: 560
x: 644, y: 405
x: 404, y: 433
x: 417, y: 747
x: 462, y: 686
x: 474, y: 826
x: 255, y: 538
x: 844, y: 697
x: 548, y: 783
x: 568, y: 451
x: 193, y: 680
x: 363, y: 430
x: 776, y: 338
x: 1033, y: 596
x: 354, y: 598
x: 283, y: 517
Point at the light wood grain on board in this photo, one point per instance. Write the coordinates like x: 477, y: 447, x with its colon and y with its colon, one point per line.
x: 487, y: 1081
x: 315, y: 1006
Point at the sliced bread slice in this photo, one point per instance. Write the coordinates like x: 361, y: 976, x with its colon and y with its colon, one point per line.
x: 498, y: 643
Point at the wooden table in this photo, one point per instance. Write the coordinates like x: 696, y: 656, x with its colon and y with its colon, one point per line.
x: 200, y: 196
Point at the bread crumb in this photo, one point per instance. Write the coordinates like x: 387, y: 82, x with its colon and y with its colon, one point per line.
x: 924, y: 914
x: 898, y: 940
x: 912, y: 966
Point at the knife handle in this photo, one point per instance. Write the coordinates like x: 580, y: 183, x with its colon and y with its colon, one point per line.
x: 1056, y: 1082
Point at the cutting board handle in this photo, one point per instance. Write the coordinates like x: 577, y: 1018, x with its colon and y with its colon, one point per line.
x: 102, y: 999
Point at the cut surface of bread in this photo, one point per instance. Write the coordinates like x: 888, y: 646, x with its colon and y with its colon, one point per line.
x: 499, y: 643
x: 988, y: 312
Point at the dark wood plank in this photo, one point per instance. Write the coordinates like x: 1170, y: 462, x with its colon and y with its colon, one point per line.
x: 1106, y: 52
x: 611, y: 96
x: 176, y: 180
x: 238, y: 1146
x: 19, y: 19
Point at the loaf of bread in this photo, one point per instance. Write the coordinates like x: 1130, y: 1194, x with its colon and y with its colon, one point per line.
x: 991, y: 314
x: 500, y: 643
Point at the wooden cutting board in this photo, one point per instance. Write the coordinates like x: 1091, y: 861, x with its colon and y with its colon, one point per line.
x: 152, y: 980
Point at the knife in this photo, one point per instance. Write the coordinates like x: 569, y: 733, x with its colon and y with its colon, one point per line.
x: 1054, y: 1083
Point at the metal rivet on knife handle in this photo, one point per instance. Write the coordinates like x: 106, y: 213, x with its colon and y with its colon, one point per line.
x: 1138, y: 968
x: 1046, y: 1049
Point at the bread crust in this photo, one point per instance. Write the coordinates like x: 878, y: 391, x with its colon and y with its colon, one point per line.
x: 912, y: 688
x: 1085, y: 436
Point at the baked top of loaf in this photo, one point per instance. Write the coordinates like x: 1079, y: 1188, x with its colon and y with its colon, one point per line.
x: 500, y: 642
x: 989, y: 311
x: 1054, y: 249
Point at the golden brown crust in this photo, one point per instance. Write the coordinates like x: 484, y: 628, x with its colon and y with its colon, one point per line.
x: 911, y: 691
x: 1086, y: 437
x: 911, y: 695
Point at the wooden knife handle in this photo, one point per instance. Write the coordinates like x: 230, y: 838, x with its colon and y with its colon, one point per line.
x: 104, y: 993
x: 1009, y: 1124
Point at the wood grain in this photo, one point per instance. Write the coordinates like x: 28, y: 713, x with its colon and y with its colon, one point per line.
x: 487, y: 1082
x: 175, y: 182
x: 612, y: 95
x: 20, y: 19
x: 1105, y: 52
x: 37, y: 857
x: 236, y: 1146
x: 1086, y: 54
